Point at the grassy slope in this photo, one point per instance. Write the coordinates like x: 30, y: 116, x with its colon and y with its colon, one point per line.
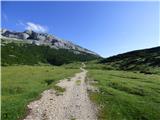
x: 29, y: 54
x: 126, y: 95
x: 145, y: 61
x: 22, y: 84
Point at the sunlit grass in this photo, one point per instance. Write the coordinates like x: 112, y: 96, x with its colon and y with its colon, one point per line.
x: 22, y: 84
x: 126, y: 95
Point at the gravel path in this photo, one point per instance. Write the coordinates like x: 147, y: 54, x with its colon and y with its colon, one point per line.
x: 73, y: 104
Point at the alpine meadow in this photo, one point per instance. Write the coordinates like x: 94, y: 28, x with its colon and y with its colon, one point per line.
x: 80, y: 60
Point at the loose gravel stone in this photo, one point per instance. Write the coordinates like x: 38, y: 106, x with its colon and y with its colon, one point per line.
x: 73, y: 103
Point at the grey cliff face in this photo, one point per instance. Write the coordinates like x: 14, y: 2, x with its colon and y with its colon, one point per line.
x: 45, y: 39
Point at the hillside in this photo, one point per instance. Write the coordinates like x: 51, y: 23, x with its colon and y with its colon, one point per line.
x: 29, y: 48
x: 31, y: 37
x: 135, y: 60
x: 128, y: 85
x: 30, y: 54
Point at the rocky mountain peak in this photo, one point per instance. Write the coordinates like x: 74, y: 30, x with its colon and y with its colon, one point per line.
x: 45, y: 39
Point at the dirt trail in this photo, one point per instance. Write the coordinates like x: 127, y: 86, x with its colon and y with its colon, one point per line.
x: 74, y: 104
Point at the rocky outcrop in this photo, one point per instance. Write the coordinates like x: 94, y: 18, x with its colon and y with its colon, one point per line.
x: 13, y: 34
x: 38, y: 36
x: 45, y: 39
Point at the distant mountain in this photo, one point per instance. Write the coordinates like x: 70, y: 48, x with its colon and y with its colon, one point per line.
x: 32, y: 37
x: 135, y: 60
x: 30, y: 48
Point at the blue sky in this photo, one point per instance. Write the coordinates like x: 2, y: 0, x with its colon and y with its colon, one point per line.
x: 107, y: 28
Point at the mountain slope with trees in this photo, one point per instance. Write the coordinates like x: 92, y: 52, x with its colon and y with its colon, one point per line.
x: 30, y: 54
x: 141, y: 60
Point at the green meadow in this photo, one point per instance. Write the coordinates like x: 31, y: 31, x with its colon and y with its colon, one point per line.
x: 23, y: 84
x: 125, y: 95
x: 121, y: 95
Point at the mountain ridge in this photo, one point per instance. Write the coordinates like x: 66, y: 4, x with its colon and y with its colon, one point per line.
x: 45, y: 39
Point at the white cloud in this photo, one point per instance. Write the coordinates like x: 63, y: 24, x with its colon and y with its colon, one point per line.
x: 35, y: 27
x: 32, y: 26
x: 5, y: 16
x: 20, y: 23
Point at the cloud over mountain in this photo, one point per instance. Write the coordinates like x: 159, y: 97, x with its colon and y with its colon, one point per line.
x: 35, y: 27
